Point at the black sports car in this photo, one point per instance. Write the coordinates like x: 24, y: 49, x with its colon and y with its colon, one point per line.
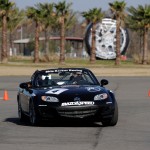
x: 66, y: 93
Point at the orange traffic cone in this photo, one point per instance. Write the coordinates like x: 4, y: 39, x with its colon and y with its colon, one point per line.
x: 149, y: 93
x: 5, y: 98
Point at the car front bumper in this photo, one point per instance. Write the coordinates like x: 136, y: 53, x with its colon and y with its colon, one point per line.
x: 79, y: 112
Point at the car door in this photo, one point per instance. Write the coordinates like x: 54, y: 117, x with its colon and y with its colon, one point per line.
x: 24, y: 98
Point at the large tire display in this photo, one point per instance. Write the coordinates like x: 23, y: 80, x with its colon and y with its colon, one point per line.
x: 105, y: 35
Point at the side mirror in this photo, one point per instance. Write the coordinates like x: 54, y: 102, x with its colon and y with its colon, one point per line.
x: 104, y: 82
x: 23, y: 85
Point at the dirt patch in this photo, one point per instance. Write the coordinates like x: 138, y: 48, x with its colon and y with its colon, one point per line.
x: 27, y: 70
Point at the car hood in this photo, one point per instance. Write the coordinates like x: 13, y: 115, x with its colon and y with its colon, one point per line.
x: 73, y: 92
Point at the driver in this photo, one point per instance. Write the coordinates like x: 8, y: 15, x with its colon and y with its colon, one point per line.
x: 76, y: 77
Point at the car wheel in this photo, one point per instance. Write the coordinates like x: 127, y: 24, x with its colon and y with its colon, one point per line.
x: 112, y: 121
x: 21, y: 115
x: 33, y: 115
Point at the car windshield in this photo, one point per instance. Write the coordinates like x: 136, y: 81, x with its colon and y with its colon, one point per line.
x: 64, y: 77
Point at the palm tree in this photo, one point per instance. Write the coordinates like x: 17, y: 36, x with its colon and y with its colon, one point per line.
x: 62, y: 12
x: 139, y: 18
x: 15, y: 20
x: 93, y: 15
x: 48, y: 21
x: 118, y: 10
x: 34, y: 14
x: 5, y: 8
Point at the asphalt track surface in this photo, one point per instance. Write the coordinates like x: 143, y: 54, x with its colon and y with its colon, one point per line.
x: 131, y: 133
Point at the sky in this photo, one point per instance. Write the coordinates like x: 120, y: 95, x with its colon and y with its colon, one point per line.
x: 81, y: 5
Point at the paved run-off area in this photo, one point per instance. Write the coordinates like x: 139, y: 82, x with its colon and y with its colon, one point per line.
x: 131, y: 133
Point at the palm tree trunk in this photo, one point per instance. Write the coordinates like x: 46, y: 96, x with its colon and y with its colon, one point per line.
x: 47, y: 53
x: 46, y: 42
x: 36, y: 51
x: 117, y: 61
x: 92, y: 57
x: 145, y: 50
x: 4, y: 58
x: 62, y: 42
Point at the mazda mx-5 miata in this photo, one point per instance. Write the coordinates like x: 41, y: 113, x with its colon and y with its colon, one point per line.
x: 66, y: 93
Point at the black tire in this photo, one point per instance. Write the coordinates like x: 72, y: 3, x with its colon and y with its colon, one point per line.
x: 21, y: 115
x: 112, y: 121
x: 33, y: 115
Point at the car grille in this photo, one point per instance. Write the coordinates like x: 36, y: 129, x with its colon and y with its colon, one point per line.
x: 77, y: 112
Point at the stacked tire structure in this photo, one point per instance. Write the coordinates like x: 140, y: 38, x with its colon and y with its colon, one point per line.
x: 105, y: 36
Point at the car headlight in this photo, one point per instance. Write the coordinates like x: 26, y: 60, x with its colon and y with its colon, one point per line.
x: 49, y: 99
x: 100, y: 96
